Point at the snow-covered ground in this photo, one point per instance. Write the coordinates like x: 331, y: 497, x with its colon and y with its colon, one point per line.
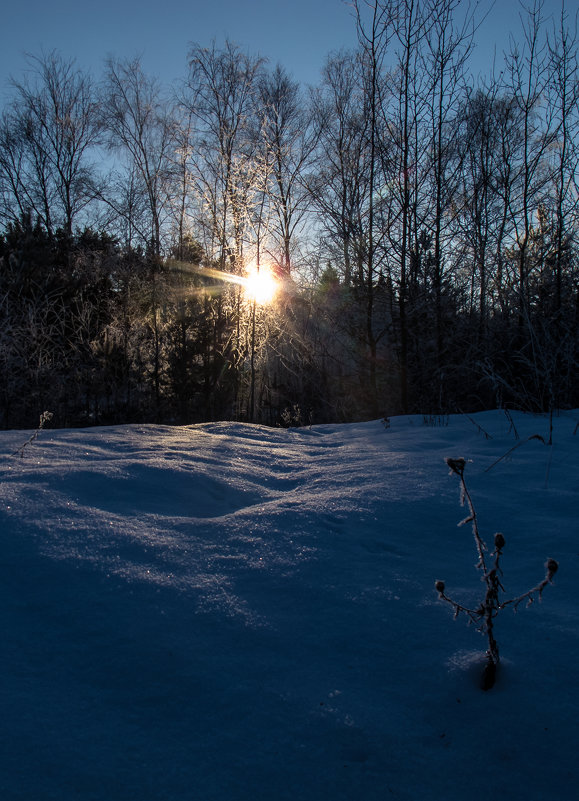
x: 227, y: 612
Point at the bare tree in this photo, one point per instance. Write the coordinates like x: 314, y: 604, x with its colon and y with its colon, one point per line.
x: 564, y: 91
x: 447, y: 50
x: 339, y: 184
x: 221, y: 94
x: 140, y: 127
x: 373, y: 37
x: 527, y: 81
x: 405, y: 112
x: 481, y: 202
x: 289, y: 140
x: 46, y: 137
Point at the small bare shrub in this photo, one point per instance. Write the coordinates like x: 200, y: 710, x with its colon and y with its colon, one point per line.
x: 489, y: 564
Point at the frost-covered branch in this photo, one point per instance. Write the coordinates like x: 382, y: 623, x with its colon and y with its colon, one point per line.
x: 551, y: 567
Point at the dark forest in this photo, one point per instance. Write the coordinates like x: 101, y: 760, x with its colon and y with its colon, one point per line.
x: 420, y: 224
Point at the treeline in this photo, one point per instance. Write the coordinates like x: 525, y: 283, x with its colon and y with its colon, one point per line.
x: 422, y: 225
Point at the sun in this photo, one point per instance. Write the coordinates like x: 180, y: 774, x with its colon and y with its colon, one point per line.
x: 260, y: 285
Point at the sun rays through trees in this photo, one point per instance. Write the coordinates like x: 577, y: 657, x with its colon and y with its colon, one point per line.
x: 418, y: 225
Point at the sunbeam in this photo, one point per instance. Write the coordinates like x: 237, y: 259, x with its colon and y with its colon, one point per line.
x: 259, y: 285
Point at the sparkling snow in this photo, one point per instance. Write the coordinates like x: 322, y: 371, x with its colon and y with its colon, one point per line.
x: 227, y: 612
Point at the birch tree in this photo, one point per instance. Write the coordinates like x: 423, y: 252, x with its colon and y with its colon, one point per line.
x: 47, y: 134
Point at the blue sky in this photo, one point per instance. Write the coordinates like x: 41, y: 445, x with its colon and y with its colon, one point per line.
x: 297, y: 33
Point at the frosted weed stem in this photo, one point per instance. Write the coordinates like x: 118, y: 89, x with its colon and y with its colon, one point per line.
x: 484, y: 615
x: 45, y: 418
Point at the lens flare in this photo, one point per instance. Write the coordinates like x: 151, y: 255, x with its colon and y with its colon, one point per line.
x: 260, y: 285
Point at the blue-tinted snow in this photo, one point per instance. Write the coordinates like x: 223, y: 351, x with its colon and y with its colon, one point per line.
x: 227, y: 612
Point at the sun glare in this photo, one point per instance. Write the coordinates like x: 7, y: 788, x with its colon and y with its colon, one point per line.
x: 260, y: 285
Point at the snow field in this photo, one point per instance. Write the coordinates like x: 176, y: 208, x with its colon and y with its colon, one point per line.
x: 227, y: 611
